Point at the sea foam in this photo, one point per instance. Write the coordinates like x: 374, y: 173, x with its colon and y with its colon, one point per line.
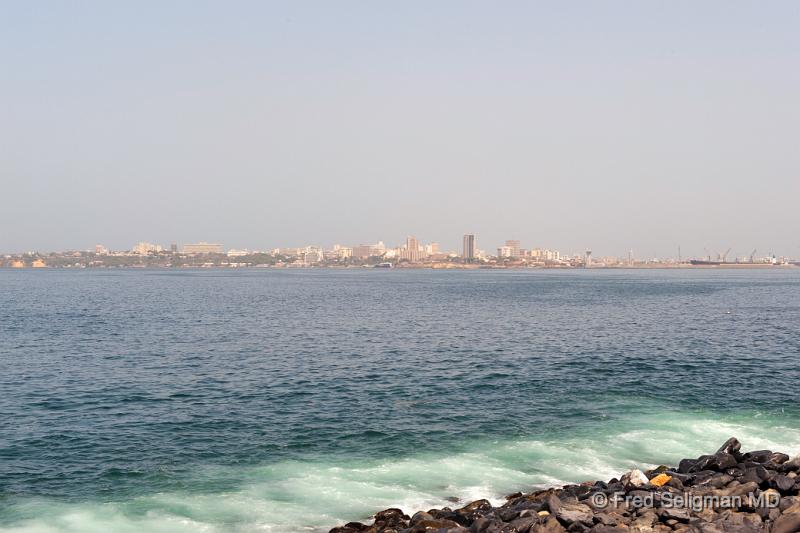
x: 316, y: 494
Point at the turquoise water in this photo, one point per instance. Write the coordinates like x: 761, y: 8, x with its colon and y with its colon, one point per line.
x: 296, y: 400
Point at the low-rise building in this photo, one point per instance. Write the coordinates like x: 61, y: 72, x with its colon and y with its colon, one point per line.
x: 238, y: 253
x: 362, y: 251
x: 202, y: 248
x: 144, y: 248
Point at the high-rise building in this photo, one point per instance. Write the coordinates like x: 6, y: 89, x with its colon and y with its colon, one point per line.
x: 469, y: 248
x: 513, y: 246
x: 412, y: 250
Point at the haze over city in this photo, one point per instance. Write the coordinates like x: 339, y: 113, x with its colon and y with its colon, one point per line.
x: 611, y: 126
x: 348, y: 266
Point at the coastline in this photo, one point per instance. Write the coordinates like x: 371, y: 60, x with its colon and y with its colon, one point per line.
x: 411, y: 266
x: 729, y: 490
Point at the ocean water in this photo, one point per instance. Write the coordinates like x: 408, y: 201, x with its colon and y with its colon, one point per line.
x: 296, y: 400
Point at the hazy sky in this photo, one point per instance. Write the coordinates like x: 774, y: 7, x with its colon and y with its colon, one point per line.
x: 607, y: 125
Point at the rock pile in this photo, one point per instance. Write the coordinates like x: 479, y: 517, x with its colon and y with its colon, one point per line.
x: 728, y: 491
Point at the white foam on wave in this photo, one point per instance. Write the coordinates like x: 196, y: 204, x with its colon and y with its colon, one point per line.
x: 315, y: 495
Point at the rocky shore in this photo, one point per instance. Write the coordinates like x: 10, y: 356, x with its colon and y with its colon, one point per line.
x: 730, y: 490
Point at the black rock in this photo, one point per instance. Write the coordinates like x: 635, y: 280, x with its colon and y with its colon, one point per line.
x: 472, y: 511
x: 569, y: 513
x: 420, y: 516
x: 757, y: 474
x: 686, y: 465
x: 734, y: 472
x: 720, y: 480
x: 704, y: 462
x: 447, y: 514
x: 355, y: 526
x: 391, y: 518
x: 731, y: 446
x: 507, y: 515
x: 792, y: 465
x: 759, y: 456
x: 702, y: 477
x: 427, y: 525
x: 724, y: 461
x: 680, y: 514
x: 523, y: 504
x: 743, y: 489
x: 675, y: 483
x: 486, y: 525
x: 575, y: 491
x: 577, y: 527
x: 782, y: 483
x: 552, y: 504
x: 529, y: 505
x: 522, y: 525
x: 778, y: 458
x: 786, y: 523
x: 684, y: 477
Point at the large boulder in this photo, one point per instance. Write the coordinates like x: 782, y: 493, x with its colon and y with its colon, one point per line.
x: 472, y: 511
x: 569, y: 513
x: 635, y: 478
x: 782, y: 483
x: 758, y: 456
x: 731, y: 446
x: 391, y: 518
x: 722, y: 461
x: 432, y: 525
x: 686, y: 465
x: 419, y: 516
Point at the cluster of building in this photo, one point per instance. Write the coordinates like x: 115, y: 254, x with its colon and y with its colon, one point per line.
x: 410, y: 253
x: 413, y: 251
x: 512, y: 250
x: 146, y: 248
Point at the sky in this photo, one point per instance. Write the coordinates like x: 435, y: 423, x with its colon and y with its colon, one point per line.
x: 643, y: 125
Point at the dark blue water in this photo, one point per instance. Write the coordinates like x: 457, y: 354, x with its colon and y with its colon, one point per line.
x: 239, y: 400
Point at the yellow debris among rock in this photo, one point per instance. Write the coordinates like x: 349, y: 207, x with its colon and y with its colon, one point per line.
x: 661, y: 479
x: 543, y: 513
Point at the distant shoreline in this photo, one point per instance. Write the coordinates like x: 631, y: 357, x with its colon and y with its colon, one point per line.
x: 421, y: 266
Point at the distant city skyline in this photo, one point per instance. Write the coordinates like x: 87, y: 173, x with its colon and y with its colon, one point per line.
x: 608, y: 126
x: 412, y: 248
